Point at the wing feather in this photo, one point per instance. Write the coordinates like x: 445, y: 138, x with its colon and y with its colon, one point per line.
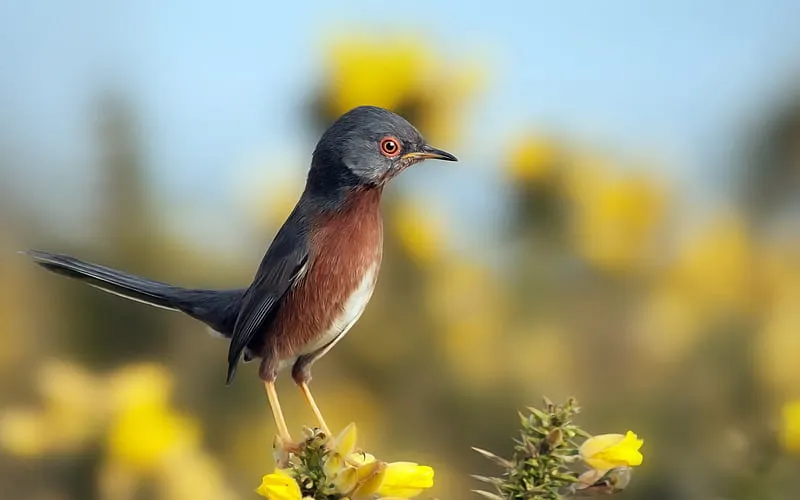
x: 280, y: 270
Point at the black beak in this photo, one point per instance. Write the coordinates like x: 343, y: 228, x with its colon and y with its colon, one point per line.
x: 430, y: 153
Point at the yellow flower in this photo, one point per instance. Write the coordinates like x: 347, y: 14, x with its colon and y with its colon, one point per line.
x: 360, y: 458
x: 346, y: 480
x: 340, y: 447
x: 370, y: 478
x: 715, y: 268
x: 616, y: 217
x: 790, y: 431
x: 345, y: 442
x: 144, y: 438
x: 140, y: 385
x: 360, y: 72
x: 334, y: 464
x: 413, y: 81
x: 406, y: 480
x: 532, y: 159
x: 357, y: 475
x: 347, y: 471
x: 144, y: 430
x: 609, y: 451
x: 399, y: 479
x: 279, y: 486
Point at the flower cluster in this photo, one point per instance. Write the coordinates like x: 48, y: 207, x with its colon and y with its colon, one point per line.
x: 324, y: 468
x: 128, y: 415
x: 547, y: 459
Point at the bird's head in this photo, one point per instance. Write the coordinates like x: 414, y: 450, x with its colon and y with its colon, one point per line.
x: 372, y: 145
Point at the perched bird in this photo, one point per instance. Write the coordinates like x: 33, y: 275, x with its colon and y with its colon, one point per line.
x: 320, y: 270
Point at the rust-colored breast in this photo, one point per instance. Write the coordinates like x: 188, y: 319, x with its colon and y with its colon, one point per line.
x: 345, y: 248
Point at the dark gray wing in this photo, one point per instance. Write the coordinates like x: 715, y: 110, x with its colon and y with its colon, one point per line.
x: 280, y: 268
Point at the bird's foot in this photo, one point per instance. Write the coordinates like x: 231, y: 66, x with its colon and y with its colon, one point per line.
x: 283, y: 449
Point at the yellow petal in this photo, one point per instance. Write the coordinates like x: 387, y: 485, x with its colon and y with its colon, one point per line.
x: 144, y: 437
x: 279, y: 486
x: 345, y: 442
x: 360, y: 458
x: 369, y: 469
x: 370, y: 478
x: 406, y: 479
x: 334, y: 463
x: 346, y: 480
x: 608, y: 451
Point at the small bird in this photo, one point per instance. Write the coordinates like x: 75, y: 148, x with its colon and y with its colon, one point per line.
x: 317, y: 276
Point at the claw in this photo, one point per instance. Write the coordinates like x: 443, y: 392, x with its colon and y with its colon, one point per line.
x: 282, y: 451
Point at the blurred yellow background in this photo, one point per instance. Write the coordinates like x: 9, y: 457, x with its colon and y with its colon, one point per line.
x: 622, y: 227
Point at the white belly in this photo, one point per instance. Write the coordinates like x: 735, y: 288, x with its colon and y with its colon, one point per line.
x: 351, y: 311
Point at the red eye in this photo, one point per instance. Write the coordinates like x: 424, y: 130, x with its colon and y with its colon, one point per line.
x: 390, y: 146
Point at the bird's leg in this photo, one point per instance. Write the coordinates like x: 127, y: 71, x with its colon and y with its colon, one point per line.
x: 301, y: 374
x: 286, y: 443
x: 314, y: 408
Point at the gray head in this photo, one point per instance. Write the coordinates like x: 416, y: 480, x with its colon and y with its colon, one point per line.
x: 369, y: 145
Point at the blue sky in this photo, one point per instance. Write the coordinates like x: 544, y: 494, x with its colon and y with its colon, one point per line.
x: 219, y: 85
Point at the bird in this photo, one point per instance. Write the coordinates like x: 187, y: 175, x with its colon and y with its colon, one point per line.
x: 318, y: 273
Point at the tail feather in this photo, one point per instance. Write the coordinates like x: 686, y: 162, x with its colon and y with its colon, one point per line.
x: 216, y: 308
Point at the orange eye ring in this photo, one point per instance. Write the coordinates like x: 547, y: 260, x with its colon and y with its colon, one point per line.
x: 390, y: 146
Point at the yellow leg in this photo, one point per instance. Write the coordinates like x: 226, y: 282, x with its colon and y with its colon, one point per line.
x: 277, y: 413
x: 313, y: 404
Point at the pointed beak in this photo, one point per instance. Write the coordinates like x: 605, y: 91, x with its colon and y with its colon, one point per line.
x: 430, y: 153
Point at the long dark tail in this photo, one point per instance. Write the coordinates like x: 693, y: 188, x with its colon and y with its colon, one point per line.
x: 216, y: 308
